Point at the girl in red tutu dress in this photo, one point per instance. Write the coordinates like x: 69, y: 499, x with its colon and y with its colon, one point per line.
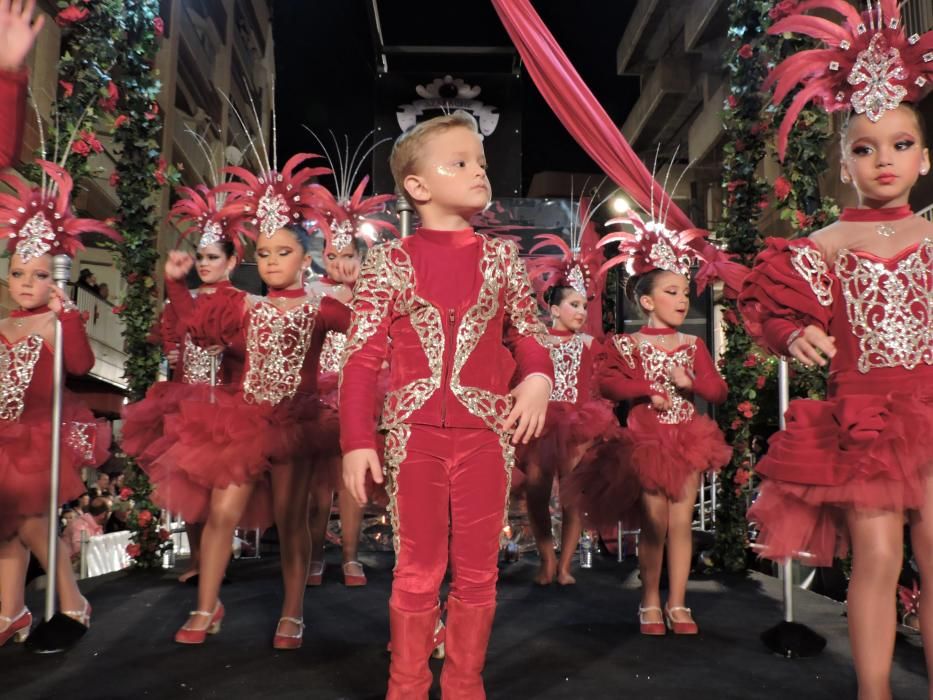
x: 577, y: 417
x: 667, y: 444
x: 26, y: 391
x: 859, y: 294
x: 347, y: 225
x: 199, y: 212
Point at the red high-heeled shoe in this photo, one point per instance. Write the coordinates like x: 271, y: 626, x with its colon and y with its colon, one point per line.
x: 316, y: 573
x: 288, y: 641
x: 352, y: 580
x: 652, y: 629
x: 17, y: 627
x: 190, y: 636
x: 680, y: 627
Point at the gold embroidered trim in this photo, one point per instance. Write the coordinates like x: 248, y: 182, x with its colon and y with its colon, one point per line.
x: 17, y: 364
x: 396, y: 450
x: 626, y: 348
x: 566, y: 360
x: 657, y: 366
x: 81, y: 438
x: 809, y: 264
x: 332, y: 351
x: 890, y: 311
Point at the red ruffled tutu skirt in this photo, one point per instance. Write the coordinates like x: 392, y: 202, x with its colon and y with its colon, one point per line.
x: 25, y: 457
x: 568, y: 428
x: 647, y: 456
x: 143, y: 420
x: 214, y: 444
x: 871, y: 452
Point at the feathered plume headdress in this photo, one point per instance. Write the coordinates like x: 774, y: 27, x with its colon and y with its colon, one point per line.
x: 868, y: 63
x: 348, y: 213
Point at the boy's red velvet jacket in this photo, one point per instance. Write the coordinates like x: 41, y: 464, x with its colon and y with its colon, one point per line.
x: 453, y: 313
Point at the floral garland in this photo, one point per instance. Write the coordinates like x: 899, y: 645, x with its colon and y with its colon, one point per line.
x: 110, y: 47
x: 745, y: 196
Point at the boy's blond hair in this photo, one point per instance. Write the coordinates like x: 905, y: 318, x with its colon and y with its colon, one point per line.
x: 408, y: 147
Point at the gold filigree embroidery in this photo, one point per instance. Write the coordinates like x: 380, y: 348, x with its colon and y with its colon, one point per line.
x: 396, y: 450
x: 332, y: 351
x: 81, y: 438
x: 508, y: 463
x: 276, y: 346
x: 17, y: 364
x: 890, y: 310
x: 809, y: 264
x: 657, y: 365
x: 197, y: 363
x: 566, y: 360
x: 626, y: 348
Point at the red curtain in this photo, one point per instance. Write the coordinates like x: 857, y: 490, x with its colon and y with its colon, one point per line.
x: 579, y: 111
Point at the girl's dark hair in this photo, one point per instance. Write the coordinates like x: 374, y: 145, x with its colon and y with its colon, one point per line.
x: 638, y: 286
x: 226, y: 247
x: 299, y: 232
x: 554, y: 296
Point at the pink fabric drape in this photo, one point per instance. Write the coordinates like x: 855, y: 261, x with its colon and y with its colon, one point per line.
x: 579, y: 111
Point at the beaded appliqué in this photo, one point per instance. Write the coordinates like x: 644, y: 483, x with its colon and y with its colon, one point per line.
x: 332, y: 351
x: 197, y: 363
x: 566, y: 360
x: 37, y: 237
x: 396, y: 450
x: 80, y: 439
x: 272, y: 212
x: 876, y: 68
x: 626, y: 348
x: 276, y: 346
x: 809, y: 264
x: 890, y: 311
x: 657, y: 365
x: 17, y: 364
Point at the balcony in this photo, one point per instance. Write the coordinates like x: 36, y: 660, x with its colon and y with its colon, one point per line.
x: 704, y: 20
x: 638, y: 33
x: 105, y: 332
x: 663, y: 103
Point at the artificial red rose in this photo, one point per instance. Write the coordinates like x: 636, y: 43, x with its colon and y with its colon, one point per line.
x: 132, y: 277
x: 742, y: 476
x: 746, y: 409
x: 67, y: 88
x: 763, y: 203
x: 746, y: 51
x: 160, y: 172
x: 736, y: 424
x: 732, y: 102
x: 126, y: 493
x: 153, y: 112
x: 803, y: 221
x: 729, y: 317
x: 120, y: 121
x: 114, y: 178
x: 782, y: 9
x: 760, y: 382
x: 133, y: 550
x: 144, y: 518
x: 164, y: 534
x: 158, y: 25
x: 81, y: 148
x: 71, y: 14
x: 110, y: 103
x: 739, y: 145
x: 782, y: 188
x: 750, y: 360
x: 736, y: 184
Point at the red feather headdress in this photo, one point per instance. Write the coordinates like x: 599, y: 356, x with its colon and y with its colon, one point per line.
x: 868, y: 63
x: 578, y: 269
x: 350, y: 218
x: 202, y: 211
x: 40, y: 220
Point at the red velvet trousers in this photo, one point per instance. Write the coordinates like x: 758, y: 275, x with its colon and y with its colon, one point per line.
x: 448, y: 488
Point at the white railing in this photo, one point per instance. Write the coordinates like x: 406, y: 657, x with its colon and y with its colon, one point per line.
x: 926, y: 213
x: 104, y: 554
x: 918, y: 16
x: 103, y: 325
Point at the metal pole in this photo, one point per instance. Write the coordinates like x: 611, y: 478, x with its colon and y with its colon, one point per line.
x: 405, y: 210
x: 85, y: 542
x: 61, y: 273
x: 213, y: 375
x: 787, y: 566
x: 620, y: 541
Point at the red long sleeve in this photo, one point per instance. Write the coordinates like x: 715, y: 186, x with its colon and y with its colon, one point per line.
x: 334, y: 316
x: 707, y: 383
x: 12, y: 114
x: 522, y: 325
x: 78, y: 356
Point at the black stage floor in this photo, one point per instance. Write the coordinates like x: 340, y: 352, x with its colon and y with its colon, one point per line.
x: 553, y: 643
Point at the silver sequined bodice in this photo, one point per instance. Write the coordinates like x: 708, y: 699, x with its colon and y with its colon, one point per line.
x: 17, y: 364
x: 197, y: 363
x: 566, y: 360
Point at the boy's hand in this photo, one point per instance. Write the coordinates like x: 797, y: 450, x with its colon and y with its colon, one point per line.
x: 530, y: 409
x: 811, y: 345
x: 355, y: 465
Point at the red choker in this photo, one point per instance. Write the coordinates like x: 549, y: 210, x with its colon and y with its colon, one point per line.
x: 648, y: 330
x: 560, y: 334
x: 287, y: 293
x: 213, y: 285
x: 21, y: 313
x: 884, y: 214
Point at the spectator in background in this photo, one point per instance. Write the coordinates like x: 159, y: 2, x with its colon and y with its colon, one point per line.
x: 87, y: 280
x: 80, y: 504
x: 103, y: 291
x: 92, y: 522
x: 18, y: 32
x: 103, y: 483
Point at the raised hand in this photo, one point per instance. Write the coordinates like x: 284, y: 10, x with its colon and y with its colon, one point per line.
x: 178, y: 264
x: 18, y: 32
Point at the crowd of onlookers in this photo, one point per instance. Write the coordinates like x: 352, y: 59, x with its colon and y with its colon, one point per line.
x: 98, y: 511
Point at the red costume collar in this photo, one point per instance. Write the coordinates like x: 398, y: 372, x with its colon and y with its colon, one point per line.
x: 884, y: 214
x: 560, y: 334
x: 327, y: 280
x: 21, y: 313
x: 216, y: 285
x: 648, y: 330
x: 448, y: 239
x: 287, y: 293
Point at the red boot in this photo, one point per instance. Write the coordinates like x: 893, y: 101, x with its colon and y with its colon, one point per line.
x: 468, y: 629
x: 413, y: 639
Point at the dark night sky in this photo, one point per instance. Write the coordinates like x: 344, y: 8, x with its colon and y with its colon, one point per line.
x: 326, y: 66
